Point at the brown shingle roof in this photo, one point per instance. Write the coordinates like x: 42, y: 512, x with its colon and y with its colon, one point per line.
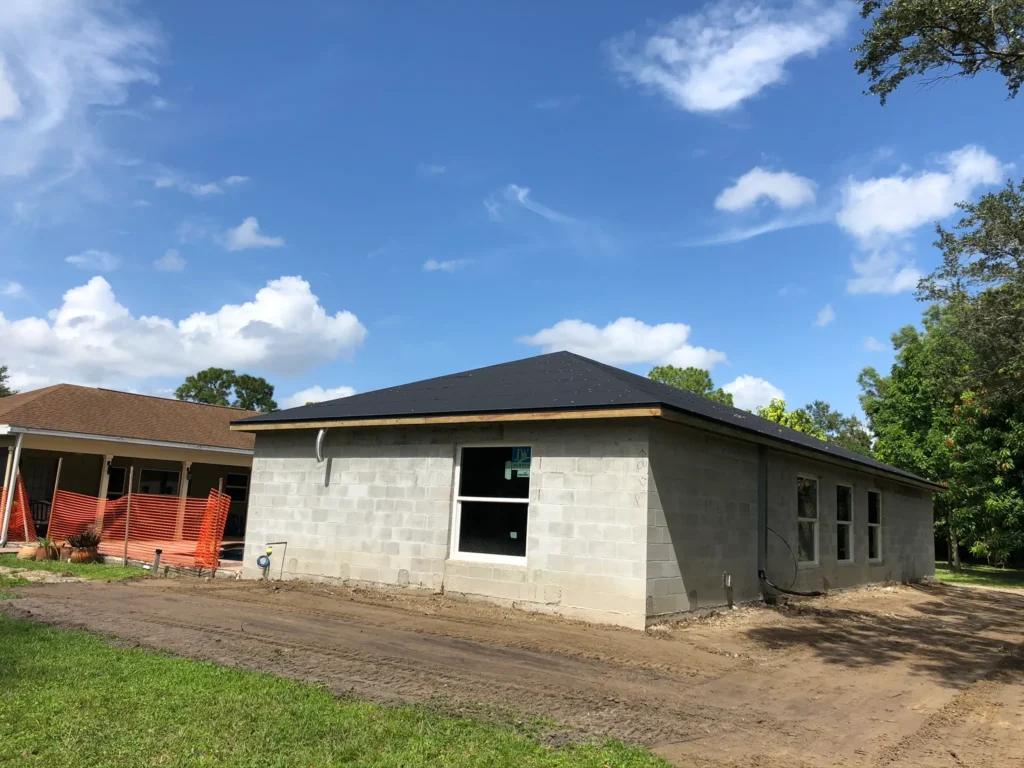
x: 70, y: 408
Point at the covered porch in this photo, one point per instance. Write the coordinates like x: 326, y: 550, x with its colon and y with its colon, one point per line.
x: 109, y: 469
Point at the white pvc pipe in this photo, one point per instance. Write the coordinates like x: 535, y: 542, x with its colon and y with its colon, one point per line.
x: 12, y: 490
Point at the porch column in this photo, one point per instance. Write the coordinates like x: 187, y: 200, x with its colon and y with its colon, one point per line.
x: 179, y: 524
x: 10, y: 481
x: 101, y: 501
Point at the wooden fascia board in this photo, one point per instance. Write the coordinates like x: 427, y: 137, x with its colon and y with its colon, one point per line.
x: 471, y: 418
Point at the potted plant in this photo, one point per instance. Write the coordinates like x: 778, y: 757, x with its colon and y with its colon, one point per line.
x: 84, y: 546
x: 46, y: 549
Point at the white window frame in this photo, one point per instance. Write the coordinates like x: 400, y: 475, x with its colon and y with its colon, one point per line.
x: 455, y: 554
x: 877, y: 525
x: 816, y: 520
x: 168, y: 471
x: 848, y: 524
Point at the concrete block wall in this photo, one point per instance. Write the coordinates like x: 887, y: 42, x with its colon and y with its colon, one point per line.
x: 908, y: 549
x: 702, y: 520
x: 384, y: 514
x: 703, y: 523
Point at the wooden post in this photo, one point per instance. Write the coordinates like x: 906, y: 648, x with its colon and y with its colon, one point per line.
x: 25, y: 515
x: 56, y: 486
x: 101, y: 496
x: 220, y: 485
x: 128, y: 514
x: 179, y: 524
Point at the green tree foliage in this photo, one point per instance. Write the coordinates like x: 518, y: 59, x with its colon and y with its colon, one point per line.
x: 818, y: 420
x: 691, y: 379
x: 972, y: 442
x: 940, y: 39
x: 980, y: 287
x: 254, y: 394
x: 800, y: 419
x: 845, y: 431
x: 5, y: 377
x: 216, y: 386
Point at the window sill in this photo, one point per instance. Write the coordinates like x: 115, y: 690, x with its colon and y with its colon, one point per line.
x: 875, y: 561
x: 807, y: 565
x: 845, y: 562
x: 476, y: 558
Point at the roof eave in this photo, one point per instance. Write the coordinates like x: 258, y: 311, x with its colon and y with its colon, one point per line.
x: 7, y: 429
x: 662, y: 411
x: 738, y: 431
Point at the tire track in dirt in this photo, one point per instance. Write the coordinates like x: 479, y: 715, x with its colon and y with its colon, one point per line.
x: 640, y: 706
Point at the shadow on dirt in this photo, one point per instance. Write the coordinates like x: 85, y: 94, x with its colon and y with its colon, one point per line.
x: 957, y: 637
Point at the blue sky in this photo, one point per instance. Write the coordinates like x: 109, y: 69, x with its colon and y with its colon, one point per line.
x: 343, y: 195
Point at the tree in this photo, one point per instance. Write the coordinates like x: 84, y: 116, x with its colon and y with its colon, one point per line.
x: 845, y: 431
x: 212, y: 386
x: 254, y: 394
x: 980, y: 288
x: 942, y: 39
x: 800, y: 419
x: 215, y: 386
x: 692, y: 380
x: 5, y: 377
x: 972, y: 442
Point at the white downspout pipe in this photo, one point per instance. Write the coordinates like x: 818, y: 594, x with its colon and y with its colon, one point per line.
x: 12, y: 490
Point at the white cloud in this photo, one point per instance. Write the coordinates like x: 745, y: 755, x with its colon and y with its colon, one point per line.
x: 881, y: 212
x: 430, y: 169
x: 140, y: 203
x: 894, y: 205
x: 582, y: 235
x: 883, y: 271
x: 626, y: 341
x: 172, y: 261
x: 12, y: 289
x: 748, y: 392
x: 248, y: 235
x: 316, y: 394
x: 715, y: 59
x: 92, y: 259
x: 62, y: 60
x: 159, y: 104
x: 10, y: 102
x: 93, y: 339
x: 871, y: 344
x: 172, y: 180
x: 432, y: 265
x: 785, y: 189
x: 826, y: 315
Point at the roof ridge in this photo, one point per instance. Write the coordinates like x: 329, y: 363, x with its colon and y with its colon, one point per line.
x: 24, y: 398
x: 161, y: 397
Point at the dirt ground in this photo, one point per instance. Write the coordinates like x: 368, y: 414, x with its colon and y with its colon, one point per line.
x: 929, y: 675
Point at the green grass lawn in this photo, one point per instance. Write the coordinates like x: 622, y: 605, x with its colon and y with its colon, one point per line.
x: 81, y: 570
x: 981, y: 576
x: 6, y: 582
x: 72, y: 699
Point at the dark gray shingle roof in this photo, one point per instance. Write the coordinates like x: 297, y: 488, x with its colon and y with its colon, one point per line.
x: 553, y: 382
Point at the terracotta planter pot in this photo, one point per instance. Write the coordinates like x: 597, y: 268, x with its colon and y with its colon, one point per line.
x: 27, y: 553
x: 46, y: 553
x: 84, y: 554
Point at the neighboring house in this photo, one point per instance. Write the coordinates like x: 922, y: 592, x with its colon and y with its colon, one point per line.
x: 564, y: 485
x: 95, y: 435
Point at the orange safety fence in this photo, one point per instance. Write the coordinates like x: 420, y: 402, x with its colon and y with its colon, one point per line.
x: 20, y: 527
x: 188, y: 531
